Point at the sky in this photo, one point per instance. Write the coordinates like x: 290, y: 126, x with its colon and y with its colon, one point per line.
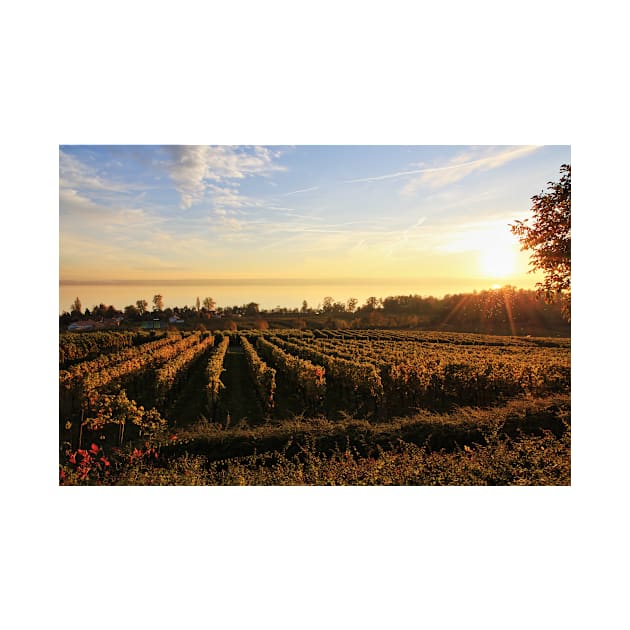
x: 430, y: 219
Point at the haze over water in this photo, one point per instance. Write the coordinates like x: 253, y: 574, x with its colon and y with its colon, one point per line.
x: 268, y: 295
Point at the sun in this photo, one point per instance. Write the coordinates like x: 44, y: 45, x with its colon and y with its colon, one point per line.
x: 497, y: 260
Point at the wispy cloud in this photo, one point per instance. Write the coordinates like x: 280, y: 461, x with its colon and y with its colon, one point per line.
x: 229, y: 196
x: 302, y: 190
x: 375, y: 237
x: 192, y: 168
x: 76, y: 175
x: 465, y: 164
x: 456, y: 169
x: 377, y: 178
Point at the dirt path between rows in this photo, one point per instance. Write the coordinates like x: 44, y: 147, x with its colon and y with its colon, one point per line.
x: 191, y: 404
x: 239, y: 398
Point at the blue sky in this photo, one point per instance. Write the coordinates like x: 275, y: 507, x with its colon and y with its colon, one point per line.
x: 196, y: 212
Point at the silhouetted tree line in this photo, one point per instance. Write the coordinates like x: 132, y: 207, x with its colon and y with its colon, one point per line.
x: 502, y: 311
x: 505, y: 311
x: 97, y: 313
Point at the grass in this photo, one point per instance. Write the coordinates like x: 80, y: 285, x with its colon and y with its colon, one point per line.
x: 464, y: 426
x: 524, y: 442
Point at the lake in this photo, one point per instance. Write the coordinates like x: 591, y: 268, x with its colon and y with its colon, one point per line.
x: 268, y: 294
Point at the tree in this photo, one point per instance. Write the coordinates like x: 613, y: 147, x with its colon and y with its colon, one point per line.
x: 76, y: 306
x: 208, y: 303
x: 198, y: 304
x: 327, y: 304
x: 142, y: 306
x: 352, y: 304
x: 251, y: 309
x: 158, y: 302
x: 131, y: 312
x: 371, y: 303
x: 304, y: 306
x: 549, y: 240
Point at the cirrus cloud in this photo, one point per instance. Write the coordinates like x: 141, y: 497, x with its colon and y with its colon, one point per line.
x: 193, y: 168
x: 458, y: 167
x: 465, y: 164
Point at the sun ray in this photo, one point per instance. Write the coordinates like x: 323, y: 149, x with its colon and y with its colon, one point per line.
x: 456, y: 308
x: 508, y: 311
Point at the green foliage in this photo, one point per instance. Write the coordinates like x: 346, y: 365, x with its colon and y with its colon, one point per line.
x: 517, y: 432
x: 117, y: 409
x: 308, y: 378
x: 497, y: 459
x: 110, y: 369
x: 174, y: 371
x: 214, y: 369
x: 398, y: 372
x: 264, y: 377
x: 530, y: 461
x: 437, y: 431
x: 81, y: 346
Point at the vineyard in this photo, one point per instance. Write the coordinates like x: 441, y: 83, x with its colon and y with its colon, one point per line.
x: 313, y: 406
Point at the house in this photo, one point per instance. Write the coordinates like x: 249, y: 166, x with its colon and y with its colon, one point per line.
x: 108, y: 323
x: 90, y: 324
x: 152, y: 325
x: 81, y: 326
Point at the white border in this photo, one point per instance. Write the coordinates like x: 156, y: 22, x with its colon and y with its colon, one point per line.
x: 342, y: 73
